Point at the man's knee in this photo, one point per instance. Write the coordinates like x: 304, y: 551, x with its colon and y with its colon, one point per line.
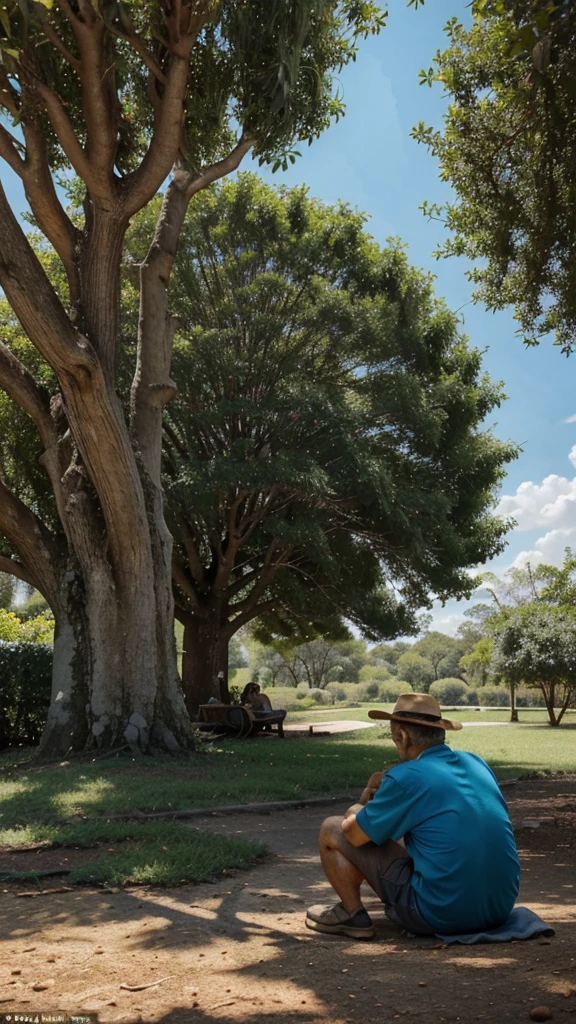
x: 331, y: 833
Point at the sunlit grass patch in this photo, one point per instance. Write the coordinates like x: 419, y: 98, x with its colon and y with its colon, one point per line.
x: 169, y: 855
x: 133, y: 852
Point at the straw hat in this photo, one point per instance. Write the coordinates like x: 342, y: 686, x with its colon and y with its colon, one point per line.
x: 417, y: 709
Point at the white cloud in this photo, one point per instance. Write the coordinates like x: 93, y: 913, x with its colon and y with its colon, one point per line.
x: 570, y: 419
x: 549, y: 504
x: 549, y: 548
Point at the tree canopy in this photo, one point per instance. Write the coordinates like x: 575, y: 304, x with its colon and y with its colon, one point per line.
x: 536, y: 645
x: 527, y: 630
x: 324, y: 458
x: 507, y: 149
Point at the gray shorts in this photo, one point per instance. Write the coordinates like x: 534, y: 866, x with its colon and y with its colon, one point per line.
x: 391, y: 881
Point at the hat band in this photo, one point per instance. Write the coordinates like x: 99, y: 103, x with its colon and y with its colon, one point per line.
x: 419, y: 714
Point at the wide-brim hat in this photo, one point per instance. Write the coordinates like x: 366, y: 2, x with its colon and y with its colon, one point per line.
x: 417, y: 709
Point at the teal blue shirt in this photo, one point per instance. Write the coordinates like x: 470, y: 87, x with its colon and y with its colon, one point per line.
x: 449, y: 809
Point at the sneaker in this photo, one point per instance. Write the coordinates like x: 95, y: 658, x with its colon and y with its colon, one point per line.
x: 337, y: 921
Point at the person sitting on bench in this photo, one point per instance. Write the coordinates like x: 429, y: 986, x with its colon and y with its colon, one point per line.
x: 259, y: 703
x: 432, y: 837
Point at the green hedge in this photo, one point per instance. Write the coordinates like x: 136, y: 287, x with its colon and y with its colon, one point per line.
x: 25, y: 682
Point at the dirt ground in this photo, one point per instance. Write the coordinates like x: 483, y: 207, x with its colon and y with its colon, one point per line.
x: 238, y: 951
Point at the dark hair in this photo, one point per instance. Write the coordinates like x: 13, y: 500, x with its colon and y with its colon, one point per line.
x: 424, y: 735
x: 249, y: 689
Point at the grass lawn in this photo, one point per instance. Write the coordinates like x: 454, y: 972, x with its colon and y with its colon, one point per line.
x: 526, y: 715
x: 69, y: 804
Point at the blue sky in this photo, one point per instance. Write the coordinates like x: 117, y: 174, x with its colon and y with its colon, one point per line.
x: 369, y: 160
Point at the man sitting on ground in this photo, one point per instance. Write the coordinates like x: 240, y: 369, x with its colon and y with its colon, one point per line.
x: 432, y: 837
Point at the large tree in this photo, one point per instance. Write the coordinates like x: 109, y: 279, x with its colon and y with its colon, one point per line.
x: 508, y: 150
x: 124, y: 95
x: 324, y: 460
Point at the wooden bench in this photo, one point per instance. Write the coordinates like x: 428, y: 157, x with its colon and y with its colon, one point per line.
x: 237, y: 720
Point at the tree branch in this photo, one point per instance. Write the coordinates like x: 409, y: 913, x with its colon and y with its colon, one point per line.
x: 35, y: 302
x: 32, y: 540
x: 65, y: 133
x: 52, y: 35
x: 15, y: 568
x: 152, y: 386
x: 247, y: 616
x: 222, y: 167
x: 181, y: 580
x: 9, y: 152
x: 21, y: 387
x: 48, y: 211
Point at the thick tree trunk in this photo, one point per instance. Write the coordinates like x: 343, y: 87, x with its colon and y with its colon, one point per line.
x: 115, y: 679
x: 204, y: 662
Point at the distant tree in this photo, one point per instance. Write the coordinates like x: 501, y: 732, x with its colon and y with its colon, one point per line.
x: 326, y: 438
x: 316, y: 663
x: 477, y: 663
x: 535, y: 646
x: 474, y: 627
x: 388, y: 654
x: 507, y: 149
x: 237, y: 657
x: 416, y: 670
x: 442, y: 652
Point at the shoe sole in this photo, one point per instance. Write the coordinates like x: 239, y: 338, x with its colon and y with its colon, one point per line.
x: 340, y: 929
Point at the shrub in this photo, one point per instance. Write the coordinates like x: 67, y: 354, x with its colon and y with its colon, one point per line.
x: 321, y: 696
x: 373, y: 674
x: 367, y: 691
x: 337, y: 690
x: 391, y: 690
x: 345, y: 691
x: 25, y: 683
x: 494, y: 696
x: 286, y: 697
x: 450, y: 691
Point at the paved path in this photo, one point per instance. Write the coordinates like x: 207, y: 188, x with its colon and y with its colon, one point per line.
x: 346, y: 725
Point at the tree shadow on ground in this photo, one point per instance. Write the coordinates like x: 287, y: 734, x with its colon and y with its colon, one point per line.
x: 238, y: 950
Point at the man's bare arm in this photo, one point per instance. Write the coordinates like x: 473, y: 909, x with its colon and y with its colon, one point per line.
x: 351, y: 829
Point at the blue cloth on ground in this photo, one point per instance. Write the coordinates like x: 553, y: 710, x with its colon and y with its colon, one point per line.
x: 522, y: 924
